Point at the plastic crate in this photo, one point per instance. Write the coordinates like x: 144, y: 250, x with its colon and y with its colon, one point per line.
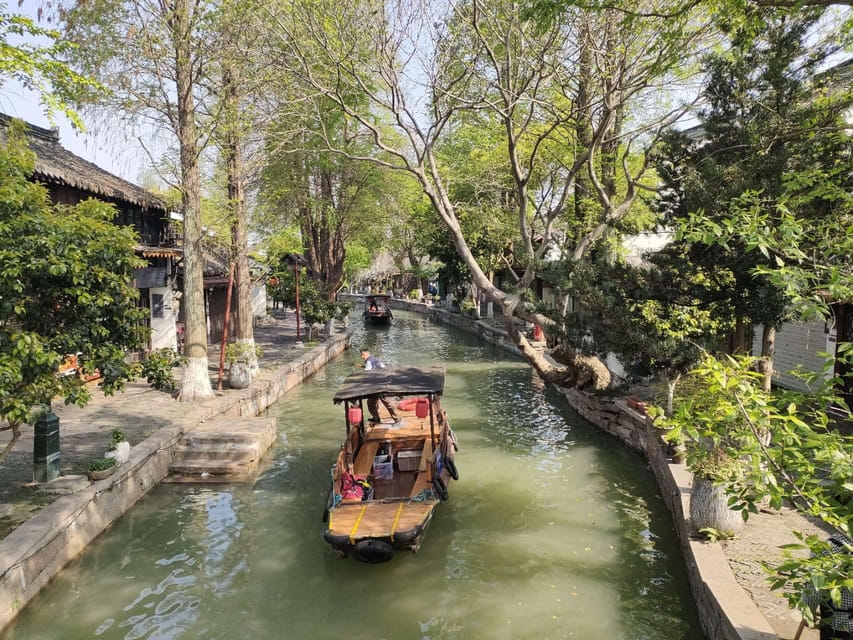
x: 409, y: 460
x: 383, y: 468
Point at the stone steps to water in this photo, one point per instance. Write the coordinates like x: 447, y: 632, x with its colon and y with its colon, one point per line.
x: 222, y: 450
x: 234, y: 451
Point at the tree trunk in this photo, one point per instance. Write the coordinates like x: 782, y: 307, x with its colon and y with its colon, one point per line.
x: 739, y: 346
x: 196, y: 381
x: 580, y: 371
x: 768, y: 352
x: 583, y: 128
x: 243, y: 327
x: 671, y: 382
x: 709, y: 508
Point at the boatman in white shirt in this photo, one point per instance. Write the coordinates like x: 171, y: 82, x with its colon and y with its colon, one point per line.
x: 372, y: 362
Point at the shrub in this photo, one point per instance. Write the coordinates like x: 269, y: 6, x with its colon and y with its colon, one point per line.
x: 468, y: 307
x: 342, y: 310
x: 240, y: 352
x: 102, y: 463
x: 118, y: 435
x: 157, y: 368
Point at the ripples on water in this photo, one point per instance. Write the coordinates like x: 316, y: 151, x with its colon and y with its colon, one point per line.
x: 554, y: 531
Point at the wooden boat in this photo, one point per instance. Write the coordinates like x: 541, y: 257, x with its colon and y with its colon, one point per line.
x: 389, y: 478
x: 377, y: 309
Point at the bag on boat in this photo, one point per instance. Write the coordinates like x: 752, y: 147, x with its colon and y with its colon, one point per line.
x: 354, y: 486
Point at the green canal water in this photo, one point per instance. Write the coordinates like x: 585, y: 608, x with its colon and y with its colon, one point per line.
x: 553, y: 531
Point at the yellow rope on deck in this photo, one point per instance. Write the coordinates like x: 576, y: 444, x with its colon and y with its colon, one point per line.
x: 355, y: 526
x: 396, y: 521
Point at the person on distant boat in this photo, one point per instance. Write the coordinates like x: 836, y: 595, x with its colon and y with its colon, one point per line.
x: 373, y: 306
x: 372, y: 362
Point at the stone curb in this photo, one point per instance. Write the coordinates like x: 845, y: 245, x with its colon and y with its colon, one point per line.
x: 34, y: 553
x: 726, y: 611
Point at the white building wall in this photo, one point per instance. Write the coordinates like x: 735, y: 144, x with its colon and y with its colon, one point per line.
x: 798, y: 344
x: 259, y: 301
x: 163, y: 328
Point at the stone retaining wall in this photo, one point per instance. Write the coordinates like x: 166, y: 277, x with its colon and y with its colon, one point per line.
x: 40, y: 548
x: 726, y: 611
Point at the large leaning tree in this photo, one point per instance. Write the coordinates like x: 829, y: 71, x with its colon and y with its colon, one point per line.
x: 581, y: 94
x: 66, y: 287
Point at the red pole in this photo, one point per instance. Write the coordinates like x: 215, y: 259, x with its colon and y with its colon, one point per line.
x: 225, y: 328
x: 296, y: 274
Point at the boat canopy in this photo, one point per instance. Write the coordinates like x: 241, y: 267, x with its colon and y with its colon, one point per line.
x: 392, y: 381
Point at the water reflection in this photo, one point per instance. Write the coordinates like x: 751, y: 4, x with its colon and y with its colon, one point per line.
x: 554, y: 531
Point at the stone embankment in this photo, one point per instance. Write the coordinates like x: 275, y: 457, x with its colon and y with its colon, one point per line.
x: 726, y: 610
x: 37, y: 550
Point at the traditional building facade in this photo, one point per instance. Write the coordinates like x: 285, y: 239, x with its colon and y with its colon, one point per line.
x: 70, y: 179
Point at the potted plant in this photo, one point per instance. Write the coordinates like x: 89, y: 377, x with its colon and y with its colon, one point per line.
x: 239, y: 356
x: 468, y: 307
x: 120, y: 447
x: 709, y: 503
x: 101, y: 468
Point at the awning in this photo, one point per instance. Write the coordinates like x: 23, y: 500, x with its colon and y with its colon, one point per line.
x: 392, y: 381
x: 159, y: 252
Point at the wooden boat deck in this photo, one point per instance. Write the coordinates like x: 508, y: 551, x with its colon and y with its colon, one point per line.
x: 378, y: 519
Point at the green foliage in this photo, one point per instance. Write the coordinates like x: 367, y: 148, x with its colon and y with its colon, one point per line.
x: 787, y: 450
x: 713, y: 535
x: 772, y: 169
x: 42, y: 69
x: 318, y: 310
x: 102, y: 464
x: 714, y: 464
x: 117, y: 435
x: 241, y: 352
x: 467, y: 307
x: 415, y: 294
x: 65, y: 288
x: 649, y: 316
x: 342, y: 310
x: 157, y: 368
x: 358, y: 259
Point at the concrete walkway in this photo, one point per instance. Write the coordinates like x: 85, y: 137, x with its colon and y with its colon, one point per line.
x: 86, y: 432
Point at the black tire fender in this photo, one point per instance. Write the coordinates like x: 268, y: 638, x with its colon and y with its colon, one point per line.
x: 440, y: 488
x: 373, y: 551
x: 328, y: 505
x: 450, y: 465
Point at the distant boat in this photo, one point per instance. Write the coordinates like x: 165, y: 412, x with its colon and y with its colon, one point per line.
x: 389, y: 477
x: 377, y: 309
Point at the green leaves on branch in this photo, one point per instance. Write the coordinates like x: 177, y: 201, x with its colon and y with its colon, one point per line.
x: 65, y: 288
x: 42, y: 68
x: 784, y: 449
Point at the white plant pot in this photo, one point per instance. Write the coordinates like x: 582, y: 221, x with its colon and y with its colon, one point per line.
x: 709, y: 508
x: 240, y: 375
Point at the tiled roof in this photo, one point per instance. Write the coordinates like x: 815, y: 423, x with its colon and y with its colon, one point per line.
x: 57, y: 165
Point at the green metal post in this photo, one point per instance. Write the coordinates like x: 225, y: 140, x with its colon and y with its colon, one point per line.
x: 46, y: 448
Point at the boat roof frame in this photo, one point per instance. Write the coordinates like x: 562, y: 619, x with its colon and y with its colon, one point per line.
x: 392, y: 381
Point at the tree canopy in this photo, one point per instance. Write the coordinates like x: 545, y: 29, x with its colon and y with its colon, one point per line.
x: 66, y: 288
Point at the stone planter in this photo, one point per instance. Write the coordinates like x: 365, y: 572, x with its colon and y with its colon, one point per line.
x: 709, y: 508
x: 100, y: 474
x: 239, y: 375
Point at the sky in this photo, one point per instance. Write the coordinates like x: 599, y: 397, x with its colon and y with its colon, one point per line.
x: 106, y: 147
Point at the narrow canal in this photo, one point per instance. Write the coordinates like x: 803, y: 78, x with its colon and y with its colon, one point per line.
x: 553, y: 531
